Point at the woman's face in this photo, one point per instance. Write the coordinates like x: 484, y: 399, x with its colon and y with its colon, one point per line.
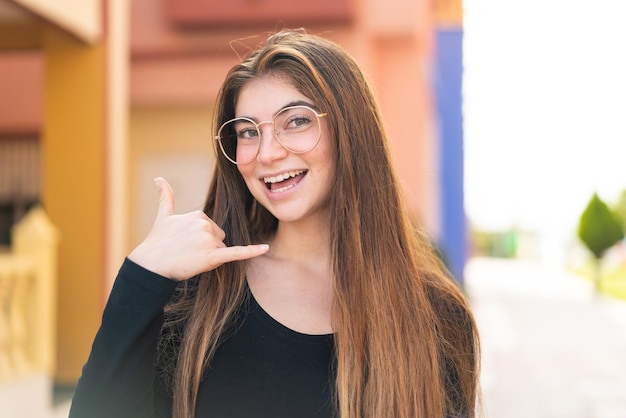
x: 293, y: 187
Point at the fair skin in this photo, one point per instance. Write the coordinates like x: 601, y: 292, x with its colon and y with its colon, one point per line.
x: 292, y: 282
x: 290, y: 278
x: 182, y: 246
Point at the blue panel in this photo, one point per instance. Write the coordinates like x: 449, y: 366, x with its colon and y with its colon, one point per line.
x: 448, y: 88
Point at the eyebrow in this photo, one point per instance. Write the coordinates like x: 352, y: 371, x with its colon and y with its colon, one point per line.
x: 290, y: 104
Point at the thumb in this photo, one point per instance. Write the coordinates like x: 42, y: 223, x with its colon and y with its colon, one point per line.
x: 166, y: 198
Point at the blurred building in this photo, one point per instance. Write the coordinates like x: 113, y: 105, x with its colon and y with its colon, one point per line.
x: 97, y: 97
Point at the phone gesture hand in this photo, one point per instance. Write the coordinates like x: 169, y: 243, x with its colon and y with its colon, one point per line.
x: 182, y: 246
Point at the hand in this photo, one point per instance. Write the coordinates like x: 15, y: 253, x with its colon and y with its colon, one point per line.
x: 182, y: 246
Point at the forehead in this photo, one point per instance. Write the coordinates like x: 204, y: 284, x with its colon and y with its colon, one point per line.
x: 262, y: 97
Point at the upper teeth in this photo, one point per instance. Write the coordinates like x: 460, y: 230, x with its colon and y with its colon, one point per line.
x: 283, y: 176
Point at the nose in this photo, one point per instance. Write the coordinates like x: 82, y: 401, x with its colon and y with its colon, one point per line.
x: 269, y: 147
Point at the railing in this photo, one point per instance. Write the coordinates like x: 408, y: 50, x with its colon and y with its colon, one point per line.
x: 28, y: 298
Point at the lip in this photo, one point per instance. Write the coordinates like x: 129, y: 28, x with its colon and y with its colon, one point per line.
x: 283, y: 176
x: 281, y: 194
x: 283, y: 173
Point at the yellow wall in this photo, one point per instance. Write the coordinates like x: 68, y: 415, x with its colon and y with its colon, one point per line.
x: 73, y: 184
x: 173, y: 142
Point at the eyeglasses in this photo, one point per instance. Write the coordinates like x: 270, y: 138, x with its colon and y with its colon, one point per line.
x: 296, y: 128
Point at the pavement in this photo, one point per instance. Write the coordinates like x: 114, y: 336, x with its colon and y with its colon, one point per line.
x: 551, y: 347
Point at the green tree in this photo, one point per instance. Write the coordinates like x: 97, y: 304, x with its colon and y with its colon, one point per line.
x: 599, y: 229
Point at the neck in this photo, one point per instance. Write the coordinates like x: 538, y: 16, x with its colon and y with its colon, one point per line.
x: 302, y: 242
x: 292, y: 281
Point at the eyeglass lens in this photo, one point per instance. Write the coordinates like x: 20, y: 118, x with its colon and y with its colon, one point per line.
x: 297, y: 128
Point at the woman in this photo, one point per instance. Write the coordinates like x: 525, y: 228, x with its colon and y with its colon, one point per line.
x: 302, y: 289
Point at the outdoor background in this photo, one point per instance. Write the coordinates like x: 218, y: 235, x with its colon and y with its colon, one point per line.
x: 544, y: 106
x: 544, y: 129
x: 518, y: 117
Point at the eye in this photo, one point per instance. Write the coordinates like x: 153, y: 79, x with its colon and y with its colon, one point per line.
x: 247, y: 133
x: 297, y: 122
x: 245, y: 130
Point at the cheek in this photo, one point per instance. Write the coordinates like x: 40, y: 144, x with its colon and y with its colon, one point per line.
x: 326, y: 157
x: 326, y: 170
x: 325, y: 148
x: 246, y: 174
x: 244, y: 170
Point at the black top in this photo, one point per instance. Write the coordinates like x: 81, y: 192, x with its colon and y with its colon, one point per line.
x: 262, y: 369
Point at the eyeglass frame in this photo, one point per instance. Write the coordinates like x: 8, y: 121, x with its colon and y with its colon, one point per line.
x: 274, y: 131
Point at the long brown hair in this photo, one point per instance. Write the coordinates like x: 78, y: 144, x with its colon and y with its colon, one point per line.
x: 405, y: 340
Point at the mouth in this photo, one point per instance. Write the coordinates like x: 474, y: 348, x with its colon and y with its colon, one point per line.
x: 284, y: 181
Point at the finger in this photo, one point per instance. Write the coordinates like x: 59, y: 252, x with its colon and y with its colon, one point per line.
x: 236, y: 253
x: 166, y: 198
